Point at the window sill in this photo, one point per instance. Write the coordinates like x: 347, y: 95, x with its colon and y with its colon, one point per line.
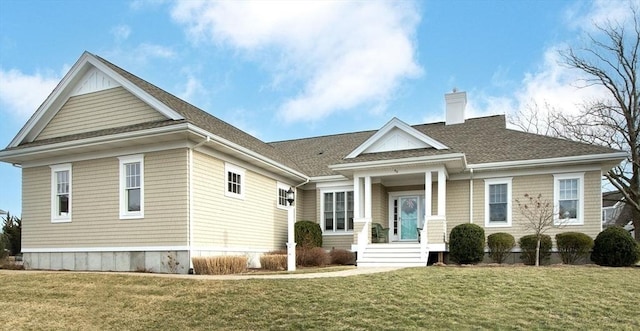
x: 497, y: 225
x: 234, y: 196
x: 130, y: 217
x: 62, y: 220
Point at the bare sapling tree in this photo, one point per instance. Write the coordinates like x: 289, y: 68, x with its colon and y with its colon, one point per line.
x: 539, y: 217
x: 610, y: 61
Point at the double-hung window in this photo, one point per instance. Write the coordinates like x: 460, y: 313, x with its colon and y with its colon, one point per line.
x: 61, y: 193
x: 337, y: 211
x: 569, y: 198
x: 132, y: 186
x: 497, y: 196
x: 234, y: 179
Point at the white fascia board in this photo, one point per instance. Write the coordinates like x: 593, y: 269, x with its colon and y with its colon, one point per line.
x: 90, y: 141
x: 617, y: 156
x: 396, y: 123
x: 399, y: 162
x: 63, y: 90
x: 330, y: 178
x: 246, y: 151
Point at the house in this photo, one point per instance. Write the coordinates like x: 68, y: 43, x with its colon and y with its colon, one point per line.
x: 120, y: 175
x: 615, y: 212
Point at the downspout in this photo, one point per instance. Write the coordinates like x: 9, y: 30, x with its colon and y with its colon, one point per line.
x: 189, y: 222
x: 471, y: 195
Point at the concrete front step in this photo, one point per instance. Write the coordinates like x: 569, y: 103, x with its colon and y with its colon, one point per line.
x: 391, y: 255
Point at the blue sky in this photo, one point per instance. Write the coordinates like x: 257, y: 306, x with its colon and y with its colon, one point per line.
x: 284, y: 70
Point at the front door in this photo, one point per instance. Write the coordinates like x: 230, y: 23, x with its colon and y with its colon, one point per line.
x: 409, y: 211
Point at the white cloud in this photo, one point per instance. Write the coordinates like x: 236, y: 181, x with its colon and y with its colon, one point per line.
x: 22, y: 94
x: 121, y: 32
x: 588, y: 15
x: 192, y: 88
x: 342, y: 54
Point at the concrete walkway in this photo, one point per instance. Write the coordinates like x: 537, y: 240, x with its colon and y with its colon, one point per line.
x: 341, y: 273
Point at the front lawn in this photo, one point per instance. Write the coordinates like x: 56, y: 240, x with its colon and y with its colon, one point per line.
x: 560, y: 298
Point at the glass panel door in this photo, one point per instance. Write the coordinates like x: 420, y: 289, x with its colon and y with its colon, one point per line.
x: 409, y: 207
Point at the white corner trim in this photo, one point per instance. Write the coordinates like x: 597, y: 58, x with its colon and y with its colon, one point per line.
x: 396, y: 123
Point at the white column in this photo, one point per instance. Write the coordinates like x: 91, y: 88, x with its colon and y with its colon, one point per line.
x: 442, y: 193
x: 291, y: 244
x: 357, y: 198
x: 427, y: 196
x: 367, y: 198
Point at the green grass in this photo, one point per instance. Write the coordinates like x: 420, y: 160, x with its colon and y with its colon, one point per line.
x: 561, y: 298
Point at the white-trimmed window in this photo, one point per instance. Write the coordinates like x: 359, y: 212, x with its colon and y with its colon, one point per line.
x: 281, y: 191
x: 234, y: 179
x: 568, y: 193
x: 497, y: 202
x: 131, y: 186
x: 337, y: 211
x: 61, y: 193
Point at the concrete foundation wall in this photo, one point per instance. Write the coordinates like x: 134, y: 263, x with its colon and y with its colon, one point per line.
x: 150, y: 261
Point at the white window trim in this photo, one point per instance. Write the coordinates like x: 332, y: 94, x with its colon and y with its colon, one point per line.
x: 228, y: 167
x: 124, y: 213
x: 322, y: 220
x: 55, y: 218
x: 495, y: 181
x: 281, y: 186
x: 579, y: 220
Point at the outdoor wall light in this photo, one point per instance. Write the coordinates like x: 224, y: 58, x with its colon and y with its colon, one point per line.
x: 290, y: 196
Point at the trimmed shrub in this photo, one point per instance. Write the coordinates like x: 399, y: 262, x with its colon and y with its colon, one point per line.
x: 573, y: 246
x: 308, y: 234
x: 342, y: 256
x: 528, y: 245
x: 500, y: 246
x: 219, y: 265
x: 615, y: 247
x: 274, y: 261
x: 312, y: 257
x: 466, y: 244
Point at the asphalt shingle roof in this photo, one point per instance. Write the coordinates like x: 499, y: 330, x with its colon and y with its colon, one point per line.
x: 482, y: 140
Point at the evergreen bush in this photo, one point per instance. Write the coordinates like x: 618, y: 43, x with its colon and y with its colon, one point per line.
x: 500, y: 246
x: 615, y: 247
x: 308, y: 234
x: 466, y: 244
x: 528, y: 245
x: 573, y: 246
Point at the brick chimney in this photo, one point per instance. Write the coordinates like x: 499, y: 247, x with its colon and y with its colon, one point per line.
x: 456, y: 102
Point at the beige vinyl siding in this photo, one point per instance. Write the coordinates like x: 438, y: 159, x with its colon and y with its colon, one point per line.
x: 457, y: 203
x: 337, y: 242
x: 225, y: 222
x: 95, y: 205
x: 534, y: 185
x: 307, y: 208
x: 111, y: 108
x: 380, y: 205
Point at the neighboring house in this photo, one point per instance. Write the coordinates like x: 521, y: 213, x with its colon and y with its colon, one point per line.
x: 121, y: 175
x: 615, y: 212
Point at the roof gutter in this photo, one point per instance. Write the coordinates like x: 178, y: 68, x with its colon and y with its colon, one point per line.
x: 617, y: 156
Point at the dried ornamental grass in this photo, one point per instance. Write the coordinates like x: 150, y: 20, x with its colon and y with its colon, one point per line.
x: 219, y: 265
x: 274, y: 261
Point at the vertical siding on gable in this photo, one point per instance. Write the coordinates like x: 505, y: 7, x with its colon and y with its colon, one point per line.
x: 220, y: 221
x: 111, y: 108
x: 95, y: 205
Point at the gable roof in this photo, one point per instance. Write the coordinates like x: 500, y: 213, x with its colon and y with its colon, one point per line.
x: 396, y: 135
x: 483, y: 141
